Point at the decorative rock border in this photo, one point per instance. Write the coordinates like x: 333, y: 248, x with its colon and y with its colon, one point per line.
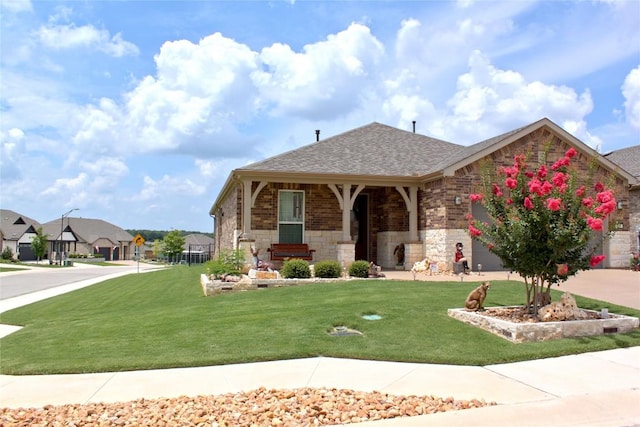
x: 215, y: 287
x: 543, y: 331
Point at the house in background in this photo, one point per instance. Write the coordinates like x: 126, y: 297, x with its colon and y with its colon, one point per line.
x: 198, y: 248
x: 16, y: 232
x: 90, y: 237
x: 361, y: 194
x: 629, y: 160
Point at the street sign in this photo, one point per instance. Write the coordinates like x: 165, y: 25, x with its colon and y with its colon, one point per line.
x: 138, y: 240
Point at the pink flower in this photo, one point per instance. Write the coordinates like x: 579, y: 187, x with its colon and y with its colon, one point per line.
x: 497, y: 191
x: 580, y: 191
x: 542, y: 172
x: 553, y: 204
x: 510, y: 171
x: 519, y: 160
x: 490, y: 246
x: 596, y: 259
x: 474, y: 231
x: 563, y: 269
x: 559, y: 178
x: 529, y: 174
x: 475, y: 197
x: 560, y: 163
x: 510, y: 183
x: 594, y: 223
x: 535, y: 186
x: 468, y: 217
x: 528, y: 203
x: 604, y: 196
x: 598, y: 187
x: 606, y: 208
x: 546, y: 188
x: 509, y: 201
x: 571, y: 153
x: 587, y: 201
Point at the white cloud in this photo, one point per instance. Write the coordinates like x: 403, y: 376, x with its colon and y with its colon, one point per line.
x: 73, y: 185
x: 16, y: 5
x: 169, y: 186
x: 70, y: 36
x: 326, y: 80
x: 631, y: 93
x: 12, y: 149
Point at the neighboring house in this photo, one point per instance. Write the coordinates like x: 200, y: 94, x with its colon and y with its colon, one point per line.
x: 16, y: 232
x: 362, y: 193
x: 629, y: 160
x: 88, y: 236
x: 198, y: 248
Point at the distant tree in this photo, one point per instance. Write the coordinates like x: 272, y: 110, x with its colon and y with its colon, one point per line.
x: 39, y: 243
x: 173, y: 245
x: 157, y: 248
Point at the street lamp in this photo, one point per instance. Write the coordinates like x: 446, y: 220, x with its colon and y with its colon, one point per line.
x: 64, y: 215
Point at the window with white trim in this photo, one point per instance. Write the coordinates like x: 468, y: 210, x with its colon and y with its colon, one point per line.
x: 290, y: 216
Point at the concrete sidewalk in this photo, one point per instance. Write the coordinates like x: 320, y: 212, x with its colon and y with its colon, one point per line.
x: 591, y: 389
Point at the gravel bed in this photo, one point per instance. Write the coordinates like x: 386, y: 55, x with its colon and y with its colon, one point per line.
x: 261, y: 407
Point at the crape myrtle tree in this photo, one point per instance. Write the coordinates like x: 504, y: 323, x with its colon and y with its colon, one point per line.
x: 545, y: 223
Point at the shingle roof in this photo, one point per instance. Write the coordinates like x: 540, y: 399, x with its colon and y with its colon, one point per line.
x: 628, y: 159
x: 476, y: 148
x: 13, y: 225
x: 374, y: 150
x: 88, y: 230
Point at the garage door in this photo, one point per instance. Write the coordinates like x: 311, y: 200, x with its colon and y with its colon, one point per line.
x: 26, y: 252
x: 491, y: 262
x: 480, y: 253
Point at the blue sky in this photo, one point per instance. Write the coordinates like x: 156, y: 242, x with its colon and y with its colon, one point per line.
x: 136, y: 112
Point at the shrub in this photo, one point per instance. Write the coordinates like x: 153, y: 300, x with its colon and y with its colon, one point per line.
x: 227, y: 263
x: 7, y: 254
x: 295, y: 269
x: 327, y: 269
x: 359, y: 269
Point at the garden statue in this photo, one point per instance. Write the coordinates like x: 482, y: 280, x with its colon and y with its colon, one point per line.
x: 476, y: 297
x: 399, y: 253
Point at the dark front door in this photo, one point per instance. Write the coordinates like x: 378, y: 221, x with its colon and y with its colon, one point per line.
x: 360, y: 226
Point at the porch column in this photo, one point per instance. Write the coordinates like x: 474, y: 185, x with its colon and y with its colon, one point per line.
x: 346, y: 212
x: 246, y: 208
x: 411, y: 201
x: 413, y: 214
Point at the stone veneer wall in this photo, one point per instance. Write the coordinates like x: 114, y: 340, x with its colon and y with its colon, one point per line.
x: 387, y: 242
x: 324, y: 242
x: 440, y: 244
x: 618, y: 250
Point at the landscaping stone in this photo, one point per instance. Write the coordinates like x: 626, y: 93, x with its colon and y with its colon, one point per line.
x: 528, y: 329
x: 261, y: 407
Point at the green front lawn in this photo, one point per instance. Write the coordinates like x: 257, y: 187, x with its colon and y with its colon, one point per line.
x: 161, y: 320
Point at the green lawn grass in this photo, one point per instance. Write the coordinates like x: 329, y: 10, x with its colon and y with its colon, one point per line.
x: 161, y: 320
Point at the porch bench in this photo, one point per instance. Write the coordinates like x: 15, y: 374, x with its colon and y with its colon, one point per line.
x: 283, y: 251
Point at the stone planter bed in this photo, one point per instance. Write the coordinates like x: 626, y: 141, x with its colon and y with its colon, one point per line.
x: 530, y: 331
x: 215, y: 287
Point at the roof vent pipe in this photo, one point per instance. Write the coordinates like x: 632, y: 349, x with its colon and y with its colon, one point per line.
x: 414, y: 126
x: 317, y: 135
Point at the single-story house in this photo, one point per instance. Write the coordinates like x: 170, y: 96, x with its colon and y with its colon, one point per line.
x: 84, y: 236
x: 16, y: 232
x: 362, y: 194
x: 198, y: 248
